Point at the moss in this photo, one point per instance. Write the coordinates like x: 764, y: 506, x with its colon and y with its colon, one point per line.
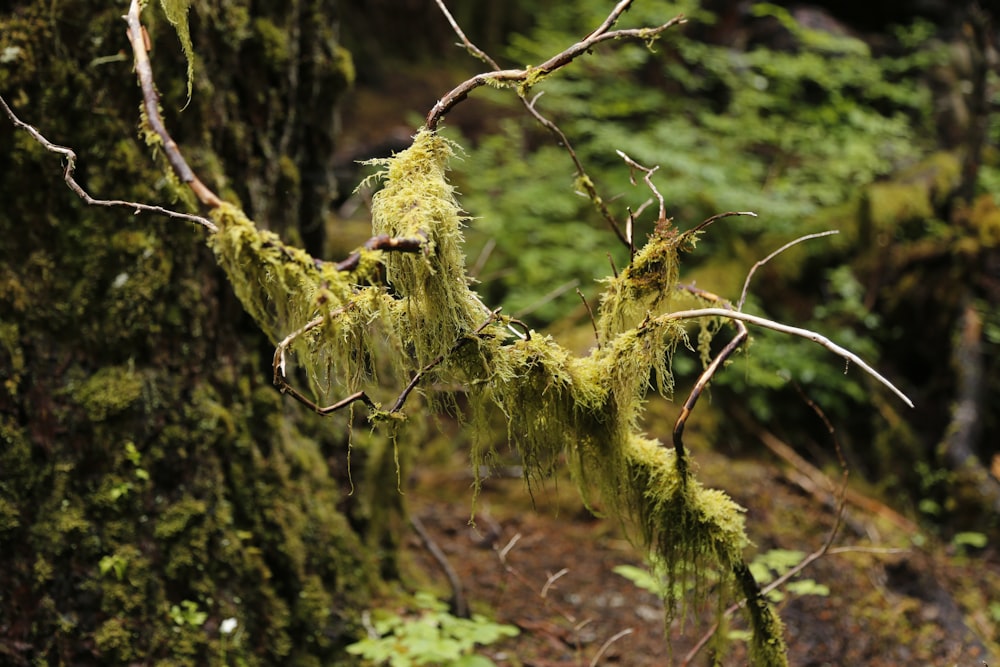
x: 114, y: 640
x: 10, y: 345
x: 110, y: 391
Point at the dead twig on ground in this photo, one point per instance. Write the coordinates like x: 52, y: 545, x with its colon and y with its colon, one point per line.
x: 459, y: 605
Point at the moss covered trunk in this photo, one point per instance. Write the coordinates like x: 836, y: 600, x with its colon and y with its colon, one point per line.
x: 152, y: 483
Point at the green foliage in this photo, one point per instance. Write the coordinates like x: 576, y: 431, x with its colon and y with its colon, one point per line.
x: 810, y: 125
x: 431, y: 636
x: 768, y: 566
x: 641, y: 577
x: 187, y: 613
x: 969, y: 540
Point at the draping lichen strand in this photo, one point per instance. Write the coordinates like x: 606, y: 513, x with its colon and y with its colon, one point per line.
x: 437, y: 306
x: 644, y: 287
x: 283, y: 288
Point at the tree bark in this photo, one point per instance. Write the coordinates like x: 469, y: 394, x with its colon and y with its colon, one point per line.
x: 154, y: 484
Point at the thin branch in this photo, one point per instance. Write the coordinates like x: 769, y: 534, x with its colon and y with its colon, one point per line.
x: 459, y: 603
x: 530, y: 75
x: 699, y: 386
x: 760, y: 263
x: 606, y: 645
x: 281, y: 381
x: 138, y: 38
x: 718, y: 216
x: 817, y: 338
x: 502, y: 553
x: 469, y: 46
x: 70, y: 156
x: 551, y: 580
x: 590, y: 312
x: 415, y: 380
x: 582, y: 178
x: 385, y: 243
x: 648, y: 180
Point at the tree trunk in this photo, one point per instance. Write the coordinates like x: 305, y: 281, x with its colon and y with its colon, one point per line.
x: 153, y: 482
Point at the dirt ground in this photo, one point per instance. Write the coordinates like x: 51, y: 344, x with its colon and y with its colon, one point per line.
x: 546, y: 565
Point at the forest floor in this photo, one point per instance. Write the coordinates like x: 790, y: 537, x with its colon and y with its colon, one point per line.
x: 544, y: 563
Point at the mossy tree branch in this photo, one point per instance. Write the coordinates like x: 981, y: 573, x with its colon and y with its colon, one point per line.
x: 526, y: 78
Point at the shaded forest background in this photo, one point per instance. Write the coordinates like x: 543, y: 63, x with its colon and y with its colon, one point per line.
x: 152, y: 481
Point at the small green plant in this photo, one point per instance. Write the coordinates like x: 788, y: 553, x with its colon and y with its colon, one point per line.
x: 768, y: 566
x: 432, y: 636
x: 115, y: 564
x: 187, y: 613
x: 969, y: 540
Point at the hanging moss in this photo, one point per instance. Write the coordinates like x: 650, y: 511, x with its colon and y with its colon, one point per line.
x: 555, y: 403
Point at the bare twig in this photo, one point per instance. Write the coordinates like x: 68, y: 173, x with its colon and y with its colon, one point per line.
x: 760, y: 263
x: 469, y: 46
x: 281, y: 382
x: 502, y: 553
x: 415, y: 380
x: 590, y: 312
x: 648, y: 180
x: 527, y: 77
x: 813, y: 336
x: 607, y: 644
x: 70, y: 166
x: 705, y: 377
x: 582, y: 178
x: 553, y: 578
x: 718, y: 216
x: 150, y: 100
x: 459, y: 605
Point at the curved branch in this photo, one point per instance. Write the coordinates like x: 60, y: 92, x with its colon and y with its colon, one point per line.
x: 530, y: 75
x: 817, y: 338
x: 70, y: 179
x: 138, y: 38
x: 281, y: 381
